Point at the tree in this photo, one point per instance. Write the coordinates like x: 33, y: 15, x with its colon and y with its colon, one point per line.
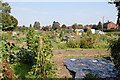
x: 80, y: 26
x: 74, y: 26
x: 37, y: 25
x: 77, y: 26
x: 94, y: 26
x: 55, y: 25
x: 64, y: 26
x: 6, y: 8
x: 30, y: 25
x: 23, y: 26
x: 8, y: 21
x: 117, y: 3
x: 99, y: 25
x: 118, y: 8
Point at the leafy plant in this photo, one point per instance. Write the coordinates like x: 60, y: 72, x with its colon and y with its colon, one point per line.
x: 42, y: 47
x: 115, y: 51
x: 85, y: 41
x: 91, y: 76
x: 26, y: 56
x: 7, y: 53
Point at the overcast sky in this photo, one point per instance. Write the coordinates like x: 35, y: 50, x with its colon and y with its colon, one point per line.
x: 64, y: 12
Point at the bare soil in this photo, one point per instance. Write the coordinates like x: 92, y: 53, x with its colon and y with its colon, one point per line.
x: 62, y: 71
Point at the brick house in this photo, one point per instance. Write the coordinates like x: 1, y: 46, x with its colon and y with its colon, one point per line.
x: 109, y: 25
x: 87, y: 27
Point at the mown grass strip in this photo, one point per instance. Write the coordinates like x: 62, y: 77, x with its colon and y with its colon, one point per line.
x: 86, y: 55
x: 79, y: 48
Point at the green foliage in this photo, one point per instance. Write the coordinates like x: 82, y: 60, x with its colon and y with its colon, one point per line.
x: 55, y: 25
x: 6, y: 35
x: 91, y: 76
x: 61, y: 34
x: 44, y: 67
x: 74, y: 43
x: 77, y: 26
x: 30, y: 25
x: 32, y: 42
x: 26, y: 56
x: 36, y: 25
x: 115, y: 51
x: 74, y: 26
x: 61, y: 45
x: 94, y: 26
x: 6, y: 8
x: 8, y: 51
x: 103, y: 41
x: 35, y: 55
x: 64, y: 26
x: 21, y: 70
x: 99, y: 26
x: 8, y: 21
x: 85, y: 41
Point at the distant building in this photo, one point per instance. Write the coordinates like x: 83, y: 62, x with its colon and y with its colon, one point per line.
x: 87, y: 27
x: 69, y: 27
x: 109, y: 25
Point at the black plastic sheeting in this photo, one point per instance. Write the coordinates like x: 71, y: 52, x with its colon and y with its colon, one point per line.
x: 102, y: 66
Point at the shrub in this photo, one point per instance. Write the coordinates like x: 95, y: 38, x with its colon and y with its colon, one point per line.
x: 115, y: 52
x: 62, y: 46
x: 74, y: 43
x: 89, y: 41
x: 26, y: 56
x: 84, y: 41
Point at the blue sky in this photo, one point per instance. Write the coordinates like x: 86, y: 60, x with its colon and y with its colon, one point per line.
x: 64, y: 12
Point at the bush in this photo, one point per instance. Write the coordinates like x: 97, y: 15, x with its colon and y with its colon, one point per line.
x: 62, y: 46
x: 26, y: 57
x: 89, y: 41
x: 74, y: 43
x: 115, y: 52
x: 84, y: 41
x: 103, y: 41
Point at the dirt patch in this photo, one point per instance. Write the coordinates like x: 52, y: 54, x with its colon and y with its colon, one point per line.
x: 59, y: 57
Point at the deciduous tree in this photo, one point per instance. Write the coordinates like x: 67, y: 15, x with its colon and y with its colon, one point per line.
x: 8, y: 21
x: 37, y: 25
x: 55, y: 25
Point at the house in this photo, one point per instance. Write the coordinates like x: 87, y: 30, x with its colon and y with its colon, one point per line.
x: 109, y: 25
x: 87, y: 27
